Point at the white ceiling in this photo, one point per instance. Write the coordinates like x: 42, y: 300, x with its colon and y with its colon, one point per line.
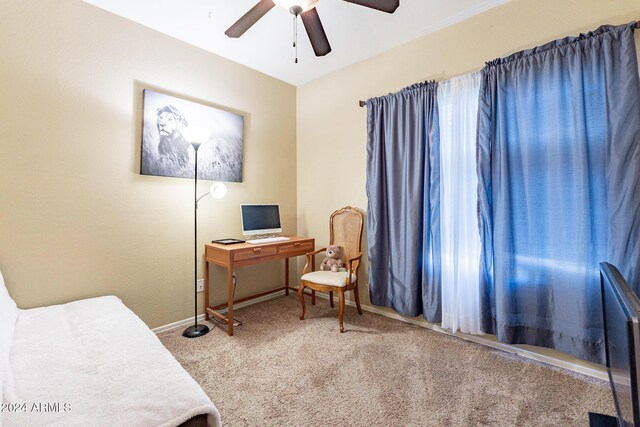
x: 354, y: 32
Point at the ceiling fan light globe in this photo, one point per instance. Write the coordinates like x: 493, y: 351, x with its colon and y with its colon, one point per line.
x: 304, y: 4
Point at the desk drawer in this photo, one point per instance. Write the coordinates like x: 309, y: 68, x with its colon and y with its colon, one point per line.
x: 296, y: 247
x: 252, y: 253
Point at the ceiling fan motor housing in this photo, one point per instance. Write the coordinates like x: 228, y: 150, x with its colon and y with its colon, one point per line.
x: 300, y: 5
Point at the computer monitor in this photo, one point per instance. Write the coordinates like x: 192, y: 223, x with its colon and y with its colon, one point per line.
x: 260, y: 219
x: 621, y: 312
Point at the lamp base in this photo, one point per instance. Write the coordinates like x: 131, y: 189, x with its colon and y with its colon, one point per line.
x: 195, y: 331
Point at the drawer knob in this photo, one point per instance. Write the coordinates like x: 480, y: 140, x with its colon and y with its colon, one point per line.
x: 257, y: 249
x: 296, y: 244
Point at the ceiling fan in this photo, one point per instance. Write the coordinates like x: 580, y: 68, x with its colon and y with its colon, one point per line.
x: 307, y: 11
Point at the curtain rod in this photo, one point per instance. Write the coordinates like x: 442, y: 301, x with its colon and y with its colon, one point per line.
x: 364, y: 103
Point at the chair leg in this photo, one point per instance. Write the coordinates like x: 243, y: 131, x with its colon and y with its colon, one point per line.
x: 356, y: 294
x: 341, y: 309
x: 301, y: 298
x: 331, y: 298
x: 313, y: 297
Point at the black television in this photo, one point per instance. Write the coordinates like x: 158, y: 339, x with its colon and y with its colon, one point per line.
x: 621, y: 313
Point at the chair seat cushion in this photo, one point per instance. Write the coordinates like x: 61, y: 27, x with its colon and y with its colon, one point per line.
x: 330, y: 278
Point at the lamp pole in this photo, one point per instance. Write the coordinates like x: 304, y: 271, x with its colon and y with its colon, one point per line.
x: 195, y: 330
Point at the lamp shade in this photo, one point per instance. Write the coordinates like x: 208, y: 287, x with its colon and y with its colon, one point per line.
x: 218, y: 190
x: 196, y: 135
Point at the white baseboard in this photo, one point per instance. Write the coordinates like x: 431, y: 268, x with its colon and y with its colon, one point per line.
x: 187, y: 322
x: 596, y: 373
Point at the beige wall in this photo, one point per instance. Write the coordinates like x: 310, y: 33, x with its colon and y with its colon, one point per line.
x: 331, y: 131
x: 76, y: 217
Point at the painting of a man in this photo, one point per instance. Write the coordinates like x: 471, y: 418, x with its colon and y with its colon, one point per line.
x: 166, y: 151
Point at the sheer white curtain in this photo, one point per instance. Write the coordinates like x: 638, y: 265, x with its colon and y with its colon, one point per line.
x: 460, y: 238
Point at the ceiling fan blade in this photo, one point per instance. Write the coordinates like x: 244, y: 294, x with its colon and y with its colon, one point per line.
x: 250, y: 18
x: 315, y: 31
x: 388, y: 6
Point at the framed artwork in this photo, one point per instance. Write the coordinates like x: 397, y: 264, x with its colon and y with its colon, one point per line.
x: 165, y: 150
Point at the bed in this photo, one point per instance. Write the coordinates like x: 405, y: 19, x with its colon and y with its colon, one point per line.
x: 91, y: 362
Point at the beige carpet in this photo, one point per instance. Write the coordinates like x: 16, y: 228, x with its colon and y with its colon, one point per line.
x: 280, y: 371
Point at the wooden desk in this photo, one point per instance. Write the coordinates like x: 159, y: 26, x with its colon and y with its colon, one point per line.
x: 242, y: 254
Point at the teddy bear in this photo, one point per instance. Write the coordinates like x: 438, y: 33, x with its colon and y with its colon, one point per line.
x: 333, y: 261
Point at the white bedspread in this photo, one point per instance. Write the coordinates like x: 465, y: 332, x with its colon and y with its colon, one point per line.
x: 95, y: 363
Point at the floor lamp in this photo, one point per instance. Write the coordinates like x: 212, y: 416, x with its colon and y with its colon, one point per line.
x: 218, y: 190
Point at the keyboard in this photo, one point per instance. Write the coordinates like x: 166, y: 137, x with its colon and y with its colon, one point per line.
x: 267, y: 240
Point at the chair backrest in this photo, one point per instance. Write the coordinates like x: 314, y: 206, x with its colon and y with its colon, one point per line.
x: 346, y: 226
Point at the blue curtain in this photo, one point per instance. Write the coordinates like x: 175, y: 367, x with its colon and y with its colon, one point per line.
x: 403, y: 178
x: 559, y: 187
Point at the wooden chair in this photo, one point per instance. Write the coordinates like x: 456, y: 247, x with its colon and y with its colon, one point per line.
x: 345, y: 227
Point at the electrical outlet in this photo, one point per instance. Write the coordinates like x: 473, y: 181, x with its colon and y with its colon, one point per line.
x: 201, y: 285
